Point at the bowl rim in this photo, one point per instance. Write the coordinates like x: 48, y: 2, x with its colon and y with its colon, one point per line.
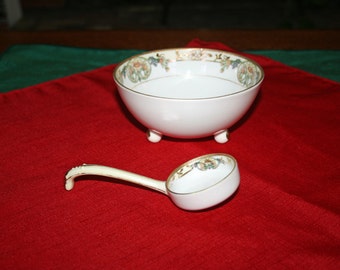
x: 116, y: 68
x: 194, y: 160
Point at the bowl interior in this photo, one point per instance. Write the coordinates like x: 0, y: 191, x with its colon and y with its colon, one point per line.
x: 188, y: 73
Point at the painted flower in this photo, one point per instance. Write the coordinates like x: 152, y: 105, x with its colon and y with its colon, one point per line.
x: 163, y: 61
x: 207, y: 164
x: 247, y: 73
x: 138, y: 69
x: 225, y: 63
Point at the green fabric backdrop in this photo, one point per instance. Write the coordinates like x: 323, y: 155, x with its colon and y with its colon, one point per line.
x: 26, y: 65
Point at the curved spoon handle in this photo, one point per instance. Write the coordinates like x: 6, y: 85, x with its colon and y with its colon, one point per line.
x: 91, y: 169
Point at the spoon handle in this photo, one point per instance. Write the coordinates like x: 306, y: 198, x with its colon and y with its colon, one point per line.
x: 91, y: 169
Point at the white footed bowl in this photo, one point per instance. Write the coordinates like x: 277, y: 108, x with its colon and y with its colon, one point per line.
x: 188, y: 92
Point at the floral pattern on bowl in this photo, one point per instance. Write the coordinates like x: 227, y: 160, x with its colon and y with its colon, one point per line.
x: 209, y: 163
x: 140, y: 68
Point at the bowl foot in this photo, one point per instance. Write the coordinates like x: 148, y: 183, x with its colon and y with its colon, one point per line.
x: 154, y: 136
x: 221, y: 136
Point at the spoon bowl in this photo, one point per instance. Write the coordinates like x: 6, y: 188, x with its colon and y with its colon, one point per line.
x: 198, y: 184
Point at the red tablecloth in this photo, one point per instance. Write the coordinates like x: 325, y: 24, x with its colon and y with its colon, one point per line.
x: 284, y: 215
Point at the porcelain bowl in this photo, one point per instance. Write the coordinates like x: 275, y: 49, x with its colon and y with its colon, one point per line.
x: 188, y: 92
